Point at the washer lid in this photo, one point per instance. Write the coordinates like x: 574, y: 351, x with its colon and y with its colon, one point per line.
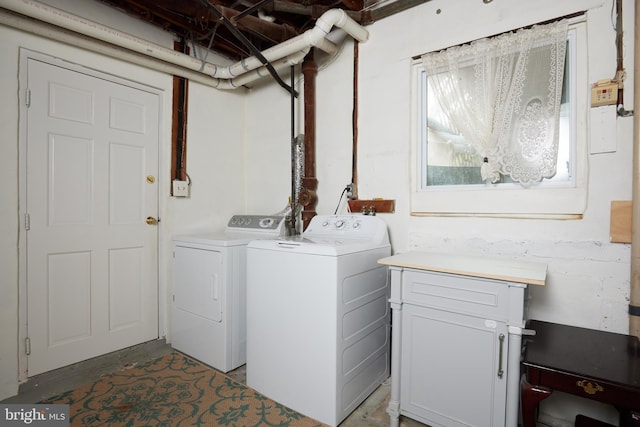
x: 327, y: 246
x: 222, y: 238
x: 333, y: 235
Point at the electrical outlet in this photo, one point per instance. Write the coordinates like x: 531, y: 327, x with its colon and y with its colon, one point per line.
x: 180, y: 188
x: 351, y: 191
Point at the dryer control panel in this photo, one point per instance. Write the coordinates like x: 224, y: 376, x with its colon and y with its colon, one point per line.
x: 256, y: 223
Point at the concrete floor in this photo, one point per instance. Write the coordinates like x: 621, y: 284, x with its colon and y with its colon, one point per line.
x: 371, y: 413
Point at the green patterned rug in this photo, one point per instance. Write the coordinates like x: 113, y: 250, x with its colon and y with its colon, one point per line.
x: 173, y: 391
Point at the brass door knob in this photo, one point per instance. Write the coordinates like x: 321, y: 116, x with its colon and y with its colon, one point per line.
x: 152, y: 221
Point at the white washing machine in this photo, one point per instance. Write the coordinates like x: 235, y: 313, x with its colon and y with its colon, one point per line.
x: 208, y: 315
x: 318, y: 316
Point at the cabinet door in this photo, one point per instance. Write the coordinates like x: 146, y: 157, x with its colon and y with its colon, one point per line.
x: 449, y: 370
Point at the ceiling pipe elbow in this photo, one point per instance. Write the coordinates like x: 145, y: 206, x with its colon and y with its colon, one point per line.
x: 340, y: 19
x: 261, y: 72
x: 314, y: 37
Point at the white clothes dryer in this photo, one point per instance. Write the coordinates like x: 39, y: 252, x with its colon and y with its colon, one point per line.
x: 318, y: 316
x: 208, y: 315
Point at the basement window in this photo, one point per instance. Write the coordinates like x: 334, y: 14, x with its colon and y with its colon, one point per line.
x: 456, y: 173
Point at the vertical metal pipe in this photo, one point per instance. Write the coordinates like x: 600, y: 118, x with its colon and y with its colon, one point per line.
x: 354, y: 121
x: 293, y: 199
x: 634, y: 294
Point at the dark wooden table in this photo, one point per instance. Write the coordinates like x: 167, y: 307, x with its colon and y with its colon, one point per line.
x: 598, y: 365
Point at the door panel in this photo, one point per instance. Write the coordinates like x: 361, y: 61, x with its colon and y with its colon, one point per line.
x: 126, y: 198
x: 125, y: 287
x: 70, y: 172
x: 69, y: 297
x: 91, y: 257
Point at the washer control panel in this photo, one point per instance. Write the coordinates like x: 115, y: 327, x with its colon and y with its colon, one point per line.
x: 255, y: 223
x: 347, y: 226
x: 340, y: 223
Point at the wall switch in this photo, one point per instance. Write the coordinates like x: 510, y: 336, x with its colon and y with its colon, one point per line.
x: 180, y: 188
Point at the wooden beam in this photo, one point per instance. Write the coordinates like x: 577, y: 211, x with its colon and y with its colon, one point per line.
x: 179, y: 124
x: 377, y: 13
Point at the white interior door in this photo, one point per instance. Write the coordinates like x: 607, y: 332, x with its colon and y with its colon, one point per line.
x: 92, y: 163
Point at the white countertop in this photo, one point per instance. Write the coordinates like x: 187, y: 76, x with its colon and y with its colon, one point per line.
x: 532, y: 273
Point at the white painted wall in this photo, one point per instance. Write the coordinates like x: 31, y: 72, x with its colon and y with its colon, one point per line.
x: 239, y: 161
x: 215, y: 162
x: 588, y: 277
x: 10, y: 284
x: 269, y: 136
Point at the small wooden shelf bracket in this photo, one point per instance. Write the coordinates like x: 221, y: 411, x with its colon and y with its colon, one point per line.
x: 372, y: 207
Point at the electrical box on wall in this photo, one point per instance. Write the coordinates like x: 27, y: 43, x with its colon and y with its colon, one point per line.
x: 604, y: 92
x: 180, y: 188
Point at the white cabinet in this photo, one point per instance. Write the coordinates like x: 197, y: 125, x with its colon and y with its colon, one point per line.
x: 456, y: 340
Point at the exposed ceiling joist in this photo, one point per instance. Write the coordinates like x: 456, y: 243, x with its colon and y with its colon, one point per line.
x: 264, y: 23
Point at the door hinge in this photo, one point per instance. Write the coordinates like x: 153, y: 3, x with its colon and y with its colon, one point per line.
x: 27, y: 222
x: 27, y: 346
x: 27, y: 98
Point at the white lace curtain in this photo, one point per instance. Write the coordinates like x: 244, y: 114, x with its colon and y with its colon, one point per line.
x: 503, y: 95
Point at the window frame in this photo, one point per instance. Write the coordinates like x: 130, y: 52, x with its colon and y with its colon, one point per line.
x: 561, y: 199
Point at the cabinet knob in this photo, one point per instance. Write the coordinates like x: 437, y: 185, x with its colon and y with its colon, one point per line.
x: 588, y: 387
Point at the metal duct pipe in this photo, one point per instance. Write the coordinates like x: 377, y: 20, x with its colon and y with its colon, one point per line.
x: 314, y: 37
x: 297, y: 172
x: 634, y: 294
x: 298, y: 165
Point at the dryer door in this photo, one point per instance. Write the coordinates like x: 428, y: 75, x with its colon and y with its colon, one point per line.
x: 197, y: 282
